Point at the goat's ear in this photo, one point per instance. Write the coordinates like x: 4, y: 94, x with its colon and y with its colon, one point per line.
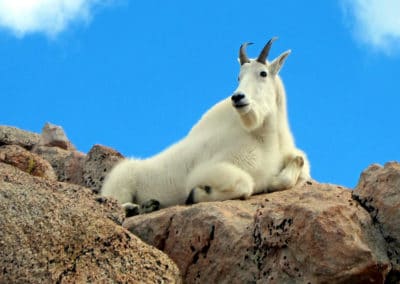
x: 277, y: 63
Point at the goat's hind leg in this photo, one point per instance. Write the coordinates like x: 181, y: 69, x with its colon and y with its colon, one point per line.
x: 289, y: 175
x: 218, y: 182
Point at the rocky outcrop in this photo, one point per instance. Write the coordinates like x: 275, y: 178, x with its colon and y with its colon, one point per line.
x: 378, y: 191
x: 54, y: 136
x: 68, y: 165
x: 71, y: 165
x: 54, y: 228
x: 13, y: 136
x: 59, y: 232
x: 26, y: 161
x: 51, y: 155
x: 98, y: 163
x: 55, y: 232
x: 315, y: 233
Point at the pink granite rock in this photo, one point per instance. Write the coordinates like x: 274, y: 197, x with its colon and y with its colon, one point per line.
x: 68, y: 164
x: 378, y: 191
x: 98, y: 162
x: 55, y: 232
x: 311, y: 234
x: 26, y: 161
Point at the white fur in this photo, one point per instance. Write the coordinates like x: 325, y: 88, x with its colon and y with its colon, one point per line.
x: 235, y: 151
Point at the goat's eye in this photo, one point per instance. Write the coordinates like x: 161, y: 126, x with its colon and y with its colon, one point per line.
x: 263, y: 74
x: 207, y: 189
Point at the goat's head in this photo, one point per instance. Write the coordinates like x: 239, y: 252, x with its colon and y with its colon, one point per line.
x: 257, y: 77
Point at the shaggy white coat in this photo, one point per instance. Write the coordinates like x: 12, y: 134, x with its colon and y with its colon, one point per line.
x: 236, y: 149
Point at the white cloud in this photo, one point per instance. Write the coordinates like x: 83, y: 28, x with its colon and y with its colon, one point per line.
x: 376, y: 22
x: 43, y: 16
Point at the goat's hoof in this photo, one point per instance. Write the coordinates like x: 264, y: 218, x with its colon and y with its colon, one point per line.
x: 150, y: 206
x: 131, y: 209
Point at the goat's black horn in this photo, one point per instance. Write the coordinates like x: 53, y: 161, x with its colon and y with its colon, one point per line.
x: 242, y: 53
x: 262, y: 58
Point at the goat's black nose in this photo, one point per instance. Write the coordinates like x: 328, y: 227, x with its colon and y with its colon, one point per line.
x: 237, y: 97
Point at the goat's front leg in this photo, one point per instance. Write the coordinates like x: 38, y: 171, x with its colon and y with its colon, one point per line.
x: 289, y: 175
x: 250, y: 116
x: 218, y: 182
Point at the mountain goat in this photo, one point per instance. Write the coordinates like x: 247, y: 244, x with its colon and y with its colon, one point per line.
x: 241, y: 146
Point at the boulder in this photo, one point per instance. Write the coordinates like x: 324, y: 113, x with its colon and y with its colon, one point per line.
x: 14, y: 136
x: 54, y: 136
x: 97, y: 164
x: 378, y: 191
x: 26, y: 161
x: 54, y: 232
x: 314, y: 233
x: 67, y: 164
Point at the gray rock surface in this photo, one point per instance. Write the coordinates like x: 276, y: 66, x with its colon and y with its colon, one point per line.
x: 14, y: 136
x: 54, y: 135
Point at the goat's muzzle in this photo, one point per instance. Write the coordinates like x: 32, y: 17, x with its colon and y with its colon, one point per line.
x: 237, y: 100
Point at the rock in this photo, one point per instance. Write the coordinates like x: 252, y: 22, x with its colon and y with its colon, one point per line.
x: 14, y: 136
x: 378, y: 191
x: 311, y: 234
x: 98, y: 163
x: 26, y: 161
x: 54, y: 136
x: 68, y: 165
x: 60, y: 232
x: 55, y: 232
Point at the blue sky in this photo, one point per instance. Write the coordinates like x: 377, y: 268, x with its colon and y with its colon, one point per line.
x: 136, y: 75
